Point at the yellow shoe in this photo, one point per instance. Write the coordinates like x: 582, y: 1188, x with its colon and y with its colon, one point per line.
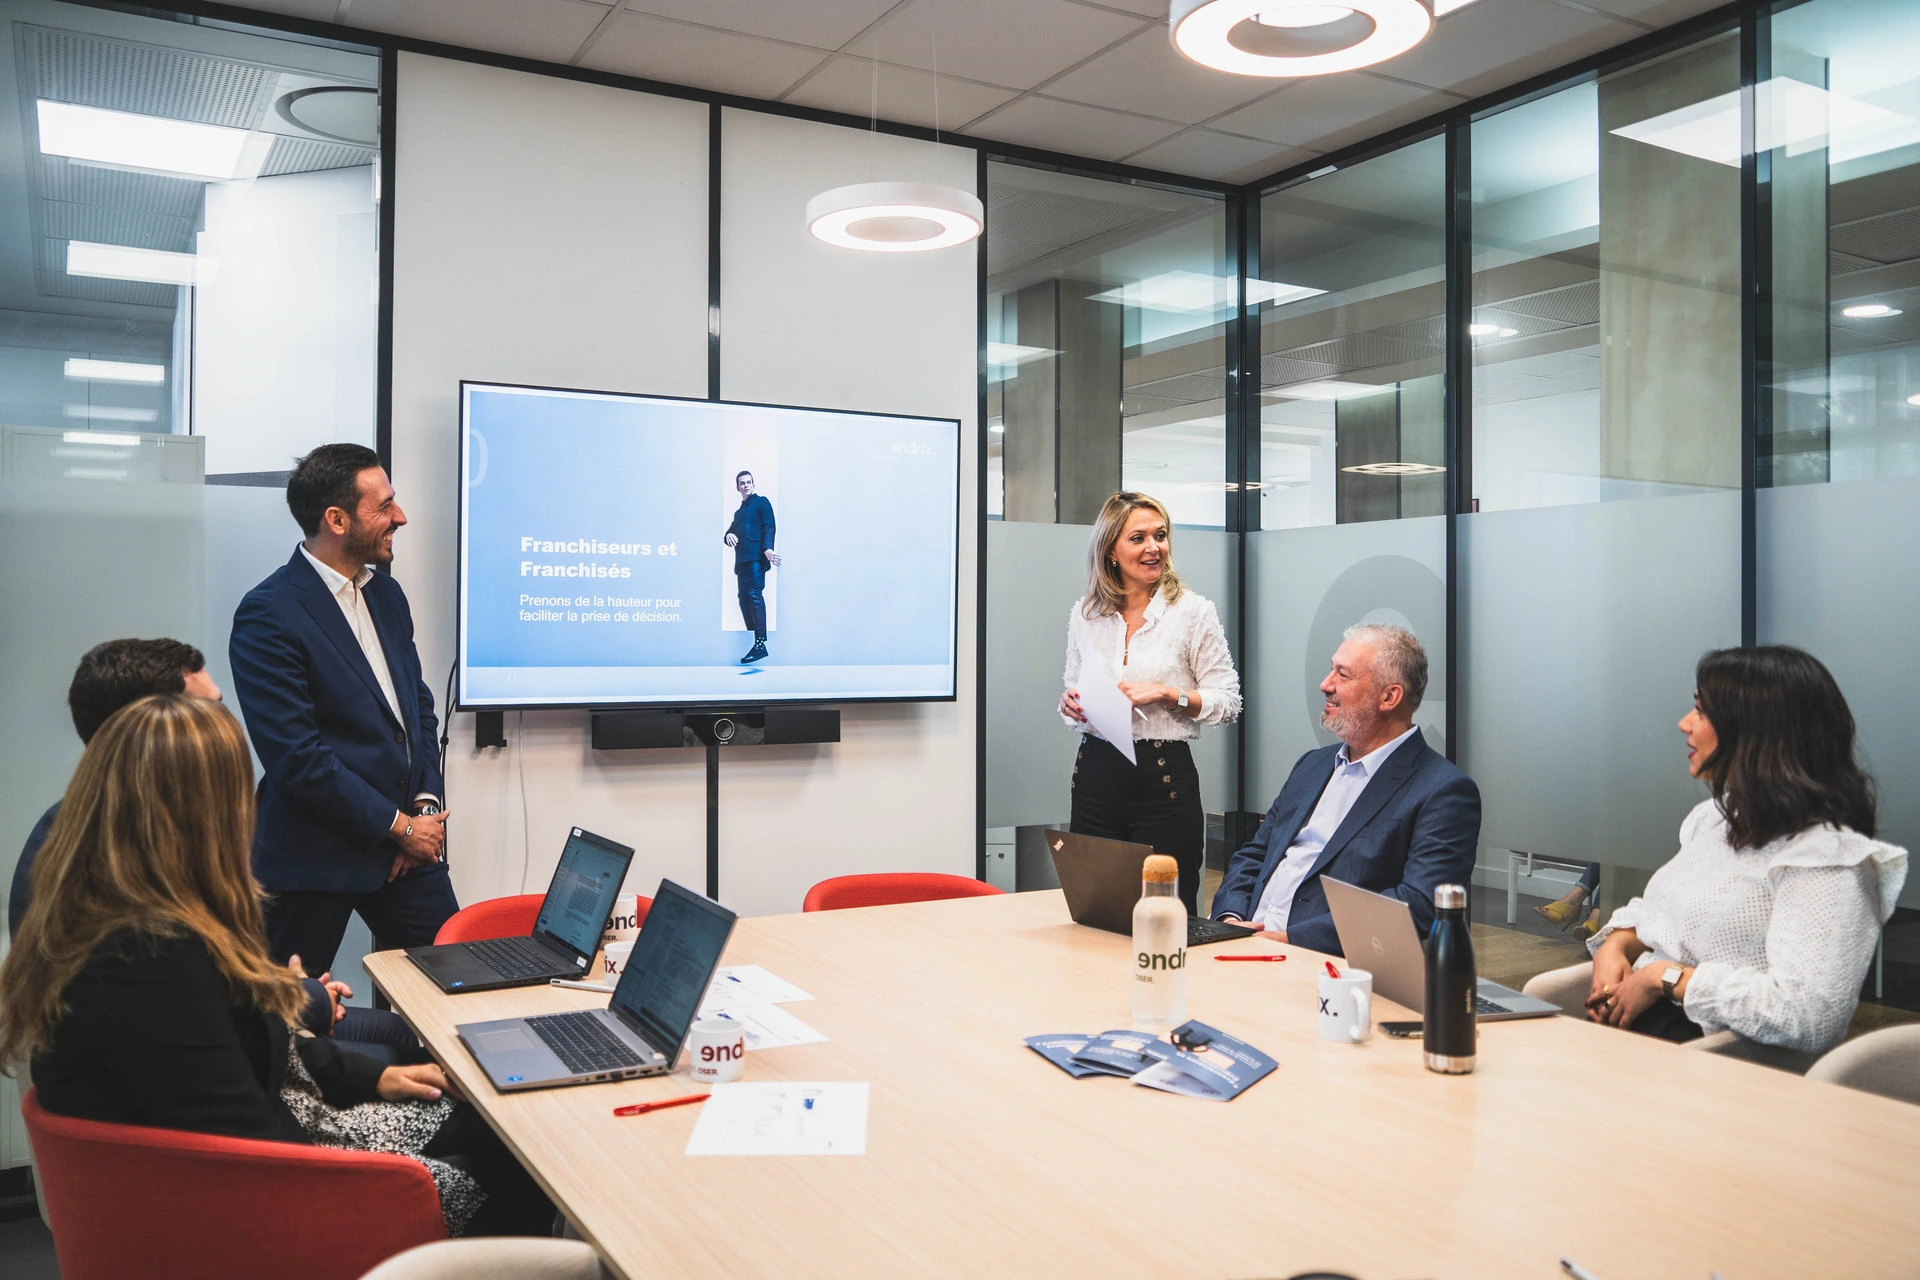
x: 1589, y: 927
x: 1560, y: 914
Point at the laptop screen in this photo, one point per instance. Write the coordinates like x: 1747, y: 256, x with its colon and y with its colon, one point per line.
x: 584, y: 887
x: 672, y: 962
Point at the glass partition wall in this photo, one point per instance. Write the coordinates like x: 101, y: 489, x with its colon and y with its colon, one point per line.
x: 1108, y: 305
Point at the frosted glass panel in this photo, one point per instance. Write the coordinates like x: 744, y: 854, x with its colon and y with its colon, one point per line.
x: 1580, y: 628
x: 1035, y: 572
x: 1306, y: 587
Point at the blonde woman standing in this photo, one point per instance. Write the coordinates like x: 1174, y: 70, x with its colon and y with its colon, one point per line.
x: 1140, y: 627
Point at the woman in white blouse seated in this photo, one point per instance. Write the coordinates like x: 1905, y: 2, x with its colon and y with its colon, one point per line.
x: 1139, y: 627
x: 1765, y: 921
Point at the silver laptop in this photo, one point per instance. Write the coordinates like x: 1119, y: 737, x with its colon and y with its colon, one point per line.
x: 640, y: 1031
x: 1377, y: 933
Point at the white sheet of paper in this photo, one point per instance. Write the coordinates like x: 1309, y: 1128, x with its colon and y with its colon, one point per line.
x: 782, y: 1118
x: 738, y: 985
x: 768, y: 1026
x: 1108, y: 711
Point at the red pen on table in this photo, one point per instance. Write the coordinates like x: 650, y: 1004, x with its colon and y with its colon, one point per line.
x: 1331, y: 971
x: 1249, y: 957
x: 641, y: 1108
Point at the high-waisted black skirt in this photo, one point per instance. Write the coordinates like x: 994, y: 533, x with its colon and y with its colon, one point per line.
x: 1154, y: 801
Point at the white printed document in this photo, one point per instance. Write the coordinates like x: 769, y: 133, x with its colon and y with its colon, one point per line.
x: 737, y: 985
x: 1108, y: 710
x: 782, y: 1118
x: 768, y: 1026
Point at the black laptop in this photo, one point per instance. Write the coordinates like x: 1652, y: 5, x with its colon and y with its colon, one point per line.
x: 1101, y: 879
x: 565, y: 937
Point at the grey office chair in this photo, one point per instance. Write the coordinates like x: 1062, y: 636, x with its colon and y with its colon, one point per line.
x: 1886, y: 1062
x: 506, y: 1258
x: 1568, y: 988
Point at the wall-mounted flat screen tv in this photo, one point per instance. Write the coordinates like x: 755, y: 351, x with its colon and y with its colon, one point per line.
x: 626, y: 550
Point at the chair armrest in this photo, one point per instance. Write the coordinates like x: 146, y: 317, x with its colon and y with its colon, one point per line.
x: 1566, y: 987
x: 1731, y: 1044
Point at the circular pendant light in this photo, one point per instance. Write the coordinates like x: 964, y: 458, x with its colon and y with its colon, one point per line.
x: 895, y: 217
x: 1296, y: 37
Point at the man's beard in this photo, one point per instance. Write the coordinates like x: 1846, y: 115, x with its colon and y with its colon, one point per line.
x: 1342, y: 722
x: 363, y: 546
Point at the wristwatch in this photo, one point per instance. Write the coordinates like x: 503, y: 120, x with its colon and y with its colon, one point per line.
x: 1668, y: 978
x: 1184, y: 702
x: 424, y: 808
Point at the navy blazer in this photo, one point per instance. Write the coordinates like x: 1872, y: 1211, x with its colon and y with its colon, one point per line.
x: 1416, y: 826
x: 753, y: 526
x: 335, y: 758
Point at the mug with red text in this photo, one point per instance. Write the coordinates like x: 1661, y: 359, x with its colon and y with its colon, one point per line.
x: 716, y: 1050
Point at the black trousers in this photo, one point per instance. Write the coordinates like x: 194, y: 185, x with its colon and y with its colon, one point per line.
x: 515, y: 1204
x: 752, y: 577
x: 1667, y: 1021
x: 406, y: 912
x: 1155, y: 801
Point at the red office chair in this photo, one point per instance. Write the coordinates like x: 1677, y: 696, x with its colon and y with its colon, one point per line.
x: 126, y: 1200
x: 509, y: 917
x: 886, y: 888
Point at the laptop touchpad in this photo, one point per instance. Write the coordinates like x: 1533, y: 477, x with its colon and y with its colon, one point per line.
x: 505, y: 1040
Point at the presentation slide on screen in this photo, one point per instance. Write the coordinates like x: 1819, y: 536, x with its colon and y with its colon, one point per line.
x: 626, y: 549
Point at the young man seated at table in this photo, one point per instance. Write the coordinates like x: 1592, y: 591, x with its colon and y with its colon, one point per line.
x: 118, y: 672
x: 1380, y: 809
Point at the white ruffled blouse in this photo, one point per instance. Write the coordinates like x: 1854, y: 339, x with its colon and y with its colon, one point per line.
x: 1180, y: 644
x: 1779, y: 937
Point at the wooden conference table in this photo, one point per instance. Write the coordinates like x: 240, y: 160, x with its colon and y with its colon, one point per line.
x: 1635, y: 1158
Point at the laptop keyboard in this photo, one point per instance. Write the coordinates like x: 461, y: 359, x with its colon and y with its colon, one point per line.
x: 583, y: 1042
x: 1200, y: 930
x: 514, y: 957
x: 1483, y: 1005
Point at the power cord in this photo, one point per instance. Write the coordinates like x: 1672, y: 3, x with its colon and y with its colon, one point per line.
x: 526, y: 827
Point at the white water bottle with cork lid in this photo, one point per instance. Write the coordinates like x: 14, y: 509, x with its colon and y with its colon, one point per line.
x: 1159, y: 959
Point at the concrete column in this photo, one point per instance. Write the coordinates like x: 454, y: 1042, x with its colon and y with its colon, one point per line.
x: 1669, y: 282
x: 1030, y: 410
x: 1061, y: 447
x: 1797, y: 448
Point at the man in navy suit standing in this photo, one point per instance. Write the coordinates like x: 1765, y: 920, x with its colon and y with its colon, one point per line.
x: 751, y: 537
x: 351, y: 811
x: 1381, y: 809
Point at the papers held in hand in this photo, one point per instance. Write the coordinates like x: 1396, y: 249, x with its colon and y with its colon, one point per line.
x: 1215, y: 1066
x: 1108, y: 710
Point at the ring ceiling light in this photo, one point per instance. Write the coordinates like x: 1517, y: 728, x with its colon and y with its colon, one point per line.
x: 895, y: 217
x: 1296, y: 37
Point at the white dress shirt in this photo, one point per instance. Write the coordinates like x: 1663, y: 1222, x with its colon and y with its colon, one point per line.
x: 1179, y: 644
x: 347, y: 592
x: 1350, y: 778
x: 1779, y: 937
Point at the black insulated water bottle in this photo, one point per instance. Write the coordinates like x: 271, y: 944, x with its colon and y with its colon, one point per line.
x: 1448, y: 1038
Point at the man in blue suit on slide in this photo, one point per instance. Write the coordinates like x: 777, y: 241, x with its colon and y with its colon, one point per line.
x: 751, y: 537
x: 1381, y: 809
x: 351, y: 814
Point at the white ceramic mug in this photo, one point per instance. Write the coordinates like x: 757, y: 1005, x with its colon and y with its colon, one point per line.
x: 620, y: 926
x: 716, y: 1051
x: 613, y: 960
x: 1346, y: 1006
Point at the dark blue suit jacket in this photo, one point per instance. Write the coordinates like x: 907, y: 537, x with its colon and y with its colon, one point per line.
x: 1416, y: 826
x: 335, y: 759
x: 753, y: 526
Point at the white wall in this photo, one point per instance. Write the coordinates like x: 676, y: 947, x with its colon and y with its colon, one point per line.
x: 805, y: 323
x: 555, y: 233
x: 284, y: 330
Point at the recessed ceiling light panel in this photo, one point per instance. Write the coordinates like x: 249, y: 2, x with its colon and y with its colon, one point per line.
x: 895, y: 217
x: 151, y: 266
x: 1296, y: 37
x: 115, y: 371
x: 1870, y: 311
x: 1394, y: 469
x: 154, y: 144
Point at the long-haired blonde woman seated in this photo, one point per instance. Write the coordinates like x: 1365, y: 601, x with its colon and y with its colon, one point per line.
x: 140, y: 987
x: 1765, y: 921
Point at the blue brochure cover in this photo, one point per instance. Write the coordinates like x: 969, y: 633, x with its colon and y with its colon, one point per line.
x: 1059, y: 1050
x: 1123, y: 1053
x: 1212, y: 1065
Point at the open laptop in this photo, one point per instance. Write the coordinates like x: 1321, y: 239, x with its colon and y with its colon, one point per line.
x: 1378, y: 933
x: 1101, y: 879
x: 565, y: 936
x: 640, y: 1031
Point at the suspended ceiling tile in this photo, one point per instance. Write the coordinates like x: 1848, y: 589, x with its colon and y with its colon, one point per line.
x: 820, y: 24
x: 1657, y: 13
x: 547, y: 30
x: 1222, y: 157
x: 1147, y: 76
x: 1313, y: 112
x: 908, y: 96
x: 1035, y: 121
x: 312, y: 10
x: 1494, y: 43
x: 1012, y: 42
x: 1156, y: 9
x: 636, y: 45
